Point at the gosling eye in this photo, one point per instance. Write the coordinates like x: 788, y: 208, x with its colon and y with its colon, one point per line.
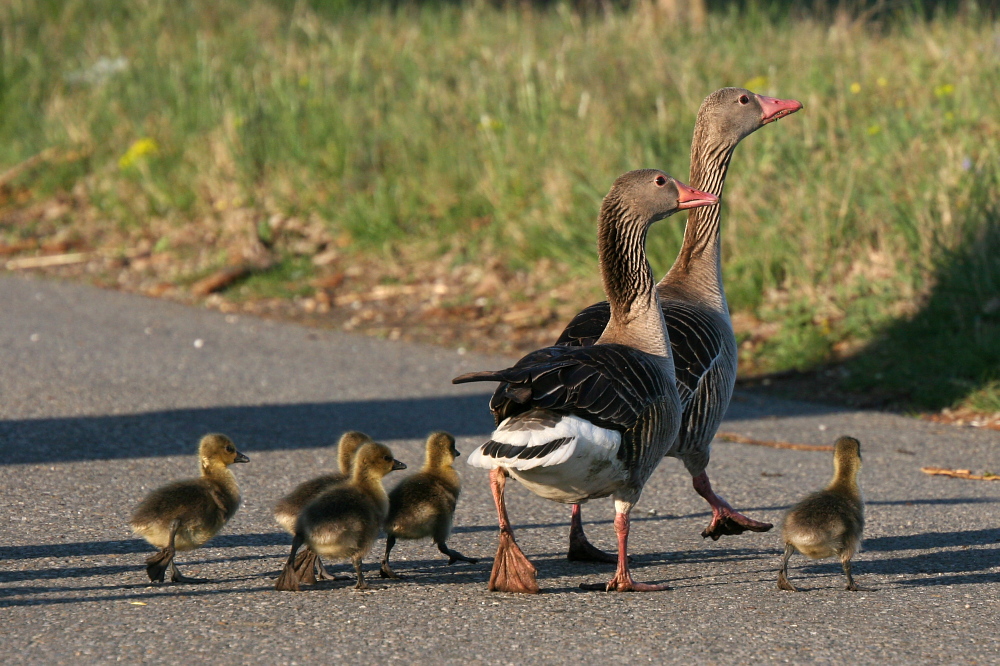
x: 660, y: 181
x: 744, y: 100
x: 230, y: 449
x: 387, y: 458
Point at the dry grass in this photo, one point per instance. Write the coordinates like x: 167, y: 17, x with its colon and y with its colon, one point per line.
x: 469, y: 146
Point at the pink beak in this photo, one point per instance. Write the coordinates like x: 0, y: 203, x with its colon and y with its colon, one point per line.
x: 688, y: 197
x: 776, y: 108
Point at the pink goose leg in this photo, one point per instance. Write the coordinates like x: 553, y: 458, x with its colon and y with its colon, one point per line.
x: 725, y: 519
x: 622, y: 581
x: 512, y: 571
x: 581, y: 550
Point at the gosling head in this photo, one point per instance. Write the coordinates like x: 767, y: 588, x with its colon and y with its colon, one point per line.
x: 647, y: 195
x: 375, y: 460
x: 215, y: 449
x: 441, y: 449
x: 348, y: 445
x: 731, y: 114
x: 847, y: 455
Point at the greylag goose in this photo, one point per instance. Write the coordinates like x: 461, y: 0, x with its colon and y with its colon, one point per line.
x: 342, y: 523
x: 183, y: 515
x: 423, y: 505
x: 576, y: 423
x: 286, y: 511
x: 829, y: 522
x: 695, y: 309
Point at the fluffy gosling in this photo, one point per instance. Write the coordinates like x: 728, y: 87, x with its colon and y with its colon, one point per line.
x: 423, y: 505
x: 287, y: 510
x: 829, y: 522
x: 343, y: 522
x: 183, y: 515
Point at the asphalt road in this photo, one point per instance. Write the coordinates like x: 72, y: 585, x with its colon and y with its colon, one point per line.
x: 103, y: 396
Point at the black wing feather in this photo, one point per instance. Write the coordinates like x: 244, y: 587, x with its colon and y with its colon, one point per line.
x: 609, y: 385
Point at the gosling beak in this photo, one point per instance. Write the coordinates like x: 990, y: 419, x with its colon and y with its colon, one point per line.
x: 456, y: 452
x: 241, y: 458
x: 398, y: 465
x: 775, y: 108
x: 688, y: 197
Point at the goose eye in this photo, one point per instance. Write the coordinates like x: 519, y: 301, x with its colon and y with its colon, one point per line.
x: 387, y: 458
x: 660, y: 181
x: 230, y: 449
x: 744, y: 99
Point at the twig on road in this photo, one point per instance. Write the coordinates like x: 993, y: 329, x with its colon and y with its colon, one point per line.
x: 960, y: 473
x: 740, y: 439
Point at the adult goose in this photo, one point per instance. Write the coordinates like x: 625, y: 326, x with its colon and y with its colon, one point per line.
x: 577, y: 423
x: 695, y: 310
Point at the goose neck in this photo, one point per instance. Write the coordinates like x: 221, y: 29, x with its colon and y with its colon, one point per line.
x: 636, y: 318
x: 699, y: 262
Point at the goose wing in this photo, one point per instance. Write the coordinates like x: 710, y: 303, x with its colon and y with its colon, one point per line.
x: 609, y: 385
x: 586, y: 327
x: 695, y: 338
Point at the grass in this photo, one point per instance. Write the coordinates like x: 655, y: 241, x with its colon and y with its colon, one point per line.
x: 473, y: 132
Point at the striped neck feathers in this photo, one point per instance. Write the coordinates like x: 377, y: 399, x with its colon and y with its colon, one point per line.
x: 636, y: 318
x: 699, y: 262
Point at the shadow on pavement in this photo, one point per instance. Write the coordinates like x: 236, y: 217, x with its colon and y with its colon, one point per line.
x: 267, y: 427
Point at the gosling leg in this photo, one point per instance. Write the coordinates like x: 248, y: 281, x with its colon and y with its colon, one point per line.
x: 783, y: 583
x: 454, y: 555
x: 847, y: 572
x: 158, y: 563
x: 288, y: 581
x: 385, y: 571
x: 362, y: 585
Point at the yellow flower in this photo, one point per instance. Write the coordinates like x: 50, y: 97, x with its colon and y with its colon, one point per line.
x: 756, y: 83
x: 946, y: 90
x: 140, y: 148
x: 882, y: 82
x: 874, y: 129
x: 855, y: 87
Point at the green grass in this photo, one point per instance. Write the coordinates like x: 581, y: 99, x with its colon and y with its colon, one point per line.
x: 481, y: 131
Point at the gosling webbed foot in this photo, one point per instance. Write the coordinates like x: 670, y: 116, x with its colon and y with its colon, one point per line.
x: 158, y: 563
x: 323, y: 574
x: 454, y: 555
x: 305, y: 566
x: 783, y: 583
x: 385, y: 571
x: 177, y: 577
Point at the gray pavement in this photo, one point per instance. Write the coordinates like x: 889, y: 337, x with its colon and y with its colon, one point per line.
x: 103, y: 396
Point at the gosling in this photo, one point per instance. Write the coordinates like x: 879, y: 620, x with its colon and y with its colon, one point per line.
x: 183, y: 515
x: 423, y: 505
x: 342, y: 523
x: 829, y: 522
x: 287, y: 510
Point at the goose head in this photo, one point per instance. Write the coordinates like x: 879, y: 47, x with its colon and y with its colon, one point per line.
x: 731, y: 114
x: 644, y: 196
x: 215, y: 450
x: 375, y: 460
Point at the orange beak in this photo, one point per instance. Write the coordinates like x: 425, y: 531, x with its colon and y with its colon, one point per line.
x: 777, y: 108
x: 688, y: 197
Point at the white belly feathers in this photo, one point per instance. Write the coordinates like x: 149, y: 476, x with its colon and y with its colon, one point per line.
x: 559, y: 457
